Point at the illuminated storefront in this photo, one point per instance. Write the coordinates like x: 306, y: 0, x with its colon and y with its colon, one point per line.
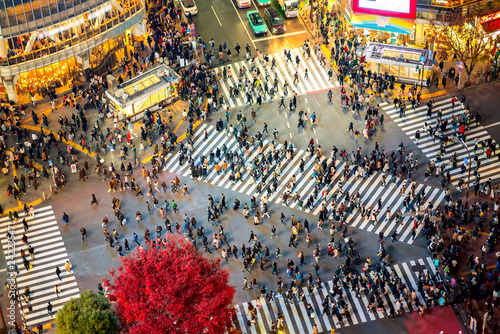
x: 491, y: 23
x: 383, y: 21
x: 51, y: 44
x: 57, y: 76
x: 133, y: 97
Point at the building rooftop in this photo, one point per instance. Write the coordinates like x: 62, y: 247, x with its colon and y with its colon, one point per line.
x: 398, y: 54
x: 143, y: 85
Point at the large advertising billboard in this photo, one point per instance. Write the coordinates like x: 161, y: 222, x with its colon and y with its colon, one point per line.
x: 405, y: 9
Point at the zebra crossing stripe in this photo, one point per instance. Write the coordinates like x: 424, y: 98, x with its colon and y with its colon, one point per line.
x: 369, y: 187
x: 317, y: 76
x: 416, y: 119
x: 4, y: 221
x: 252, y: 328
x: 369, y: 205
x: 389, y: 108
x: 437, y: 203
x: 297, y: 319
x: 294, y: 165
x: 239, y: 317
x: 365, y: 303
x: 321, y: 317
x: 413, y: 284
x: 288, y: 320
x: 307, y: 319
x: 316, y: 316
x: 388, y: 203
x: 259, y: 316
x: 45, y: 237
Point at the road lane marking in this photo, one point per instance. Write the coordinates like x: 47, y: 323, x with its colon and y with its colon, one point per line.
x: 491, y: 125
x: 244, y: 25
x: 216, y: 15
x: 276, y: 36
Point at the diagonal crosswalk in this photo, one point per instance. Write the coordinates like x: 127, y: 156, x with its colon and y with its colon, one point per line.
x: 49, y: 251
x: 369, y: 187
x: 415, y: 120
x: 317, y: 76
x: 298, y: 320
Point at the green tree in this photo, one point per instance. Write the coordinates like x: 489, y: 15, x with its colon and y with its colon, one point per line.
x: 89, y: 314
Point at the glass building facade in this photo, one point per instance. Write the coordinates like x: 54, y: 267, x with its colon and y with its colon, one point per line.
x: 48, y: 44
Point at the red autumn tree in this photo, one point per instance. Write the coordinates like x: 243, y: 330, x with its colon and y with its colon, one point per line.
x: 172, y: 289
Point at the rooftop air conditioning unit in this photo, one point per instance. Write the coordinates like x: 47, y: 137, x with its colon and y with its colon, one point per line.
x: 119, y: 93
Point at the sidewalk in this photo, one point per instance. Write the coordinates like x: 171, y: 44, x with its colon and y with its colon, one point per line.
x: 477, y: 308
x: 427, y: 92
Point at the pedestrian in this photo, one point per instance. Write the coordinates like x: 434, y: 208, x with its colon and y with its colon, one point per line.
x: 316, y: 268
x: 31, y: 251
x: 83, y: 231
x: 57, y: 290
x: 94, y: 200
x: 27, y: 264
x: 67, y: 266
x: 246, y: 284
x: 119, y: 248
x: 58, y: 273
x: 65, y: 218
x: 135, y: 239
x: 25, y: 224
x: 49, y: 309
x: 24, y: 239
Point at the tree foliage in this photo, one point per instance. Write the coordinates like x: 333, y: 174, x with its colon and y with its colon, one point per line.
x: 172, y: 289
x: 90, y: 313
x: 462, y: 35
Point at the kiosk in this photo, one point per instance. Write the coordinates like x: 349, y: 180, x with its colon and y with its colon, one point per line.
x: 407, y: 64
x: 133, y: 97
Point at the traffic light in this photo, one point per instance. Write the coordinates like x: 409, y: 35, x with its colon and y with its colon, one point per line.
x: 417, y: 69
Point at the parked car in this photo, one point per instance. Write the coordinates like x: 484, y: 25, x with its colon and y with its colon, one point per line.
x: 189, y: 7
x: 242, y: 3
x: 274, y: 21
x: 256, y: 22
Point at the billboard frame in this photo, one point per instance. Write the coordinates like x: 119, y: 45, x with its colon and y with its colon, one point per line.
x: 411, y: 15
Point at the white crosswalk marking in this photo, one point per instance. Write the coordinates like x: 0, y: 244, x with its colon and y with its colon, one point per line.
x: 369, y: 187
x: 416, y: 119
x: 317, y: 79
x: 297, y: 319
x: 49, y: 251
